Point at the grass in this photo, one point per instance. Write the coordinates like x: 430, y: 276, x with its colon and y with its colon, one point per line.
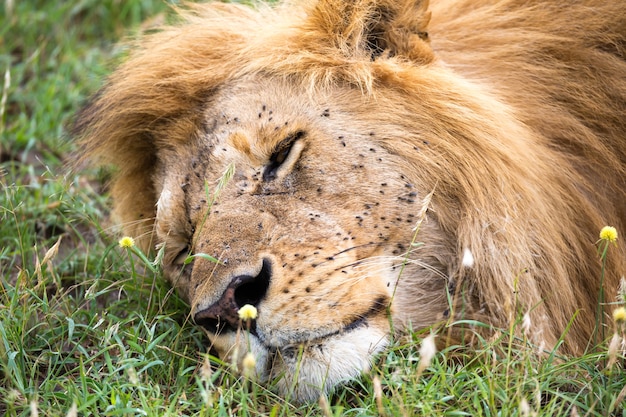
x: 84, y: 331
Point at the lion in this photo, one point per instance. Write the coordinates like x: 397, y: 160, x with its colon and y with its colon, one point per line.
x: 355, y: 169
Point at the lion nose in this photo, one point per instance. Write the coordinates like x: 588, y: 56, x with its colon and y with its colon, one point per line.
x: 243, y: 289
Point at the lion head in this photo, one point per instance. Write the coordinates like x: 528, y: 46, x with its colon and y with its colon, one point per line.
x: 352, y: 169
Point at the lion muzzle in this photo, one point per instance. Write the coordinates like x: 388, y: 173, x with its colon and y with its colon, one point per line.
x: 222, y: 316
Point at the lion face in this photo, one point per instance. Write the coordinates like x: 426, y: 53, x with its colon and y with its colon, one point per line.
x: 323, y: 281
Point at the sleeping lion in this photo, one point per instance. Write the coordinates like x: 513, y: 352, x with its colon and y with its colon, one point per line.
x: 357, y: 168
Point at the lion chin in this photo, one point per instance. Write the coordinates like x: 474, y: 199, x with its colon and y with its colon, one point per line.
x: 308, y: 368
x: 353, y: 169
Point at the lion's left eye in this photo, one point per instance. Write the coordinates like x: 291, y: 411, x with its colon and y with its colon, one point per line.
x: 284, y: 152
x: 279, y: 157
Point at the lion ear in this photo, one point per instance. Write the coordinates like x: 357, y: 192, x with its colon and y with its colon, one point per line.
x: 376, y: 27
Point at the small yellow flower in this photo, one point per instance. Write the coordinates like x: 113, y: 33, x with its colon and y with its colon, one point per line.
x: 609, y: 234
x: 248, y: 363
x: 619, y: 315
x: 127, y: 242
x: 247, y: 312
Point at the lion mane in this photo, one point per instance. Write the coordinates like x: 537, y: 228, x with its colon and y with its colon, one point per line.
x: 453, y: 160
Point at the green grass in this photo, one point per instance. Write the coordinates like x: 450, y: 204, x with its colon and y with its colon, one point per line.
x: 83, y: 331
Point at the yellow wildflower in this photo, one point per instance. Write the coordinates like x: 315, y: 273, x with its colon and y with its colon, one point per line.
x: 249, y: 361
x: 127, y: 242
x: 619, y: 315
x: 248, y: 364
x: 609, y: 234
x: 247, y: 312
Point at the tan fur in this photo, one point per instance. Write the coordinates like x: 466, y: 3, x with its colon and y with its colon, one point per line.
x: 511, y: 113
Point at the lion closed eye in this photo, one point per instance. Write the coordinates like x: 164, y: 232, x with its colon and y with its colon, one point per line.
x: 491, y: 132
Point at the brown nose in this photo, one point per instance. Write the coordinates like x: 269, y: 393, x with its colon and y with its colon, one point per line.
x: 243, y: 289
